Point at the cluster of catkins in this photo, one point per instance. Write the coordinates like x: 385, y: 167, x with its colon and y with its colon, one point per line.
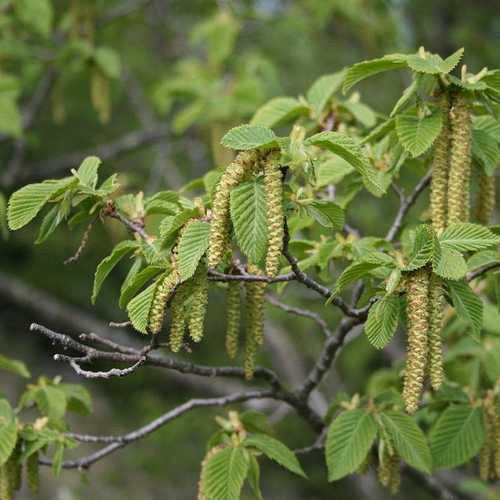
x: 11, y: 474
x: 489, y: 457
x: 451, y: 172
x: 389, y: 470
x: 246, y: 165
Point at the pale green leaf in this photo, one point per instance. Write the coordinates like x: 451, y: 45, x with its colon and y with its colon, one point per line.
x: 407, y: 94
x: 138, y: 308
x: 277, y: 111
x: 130, y: 288
x: 192, y: 245
x: 457, y: 436
x: 51, y: 401
x: 327, y: 213
x: 87, y: 171
x: 485, y: 148
x: 464, y: 237
x: 349, y: 439
x: 488, y: 124
x: 417, y: 133
x: 37, y: 14
x: 254, y: 478
x: 14, y: 366
x: 382, y: 321
x: 421, y: 250
x: 468, y: 305
x: 448, y: 263
x: 322, y: 90
x: 433, y: 64
x: 249, y: 137
x: 8, y: 430
x: 361, y: 113
x: 352, y: 273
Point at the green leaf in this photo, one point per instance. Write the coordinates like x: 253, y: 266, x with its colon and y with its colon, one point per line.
x: 108, y: 61
x: 138, y: 308
x: 433, y: 64
x: 327, y: 213
x: 224, y: 474
x: 87, y: 171
x: 382, y: 321
x: 485, y: 148
x: 78, y: 398
x: 11, y: 122
x: 129, y: 289
x: 38, y: 14
x: 51, y: 401
x: 468, y: 305
x: 51, y: 221
x: 422, y: 249
x: 417, y: 133
x: 249, y: 137
x: 488, y: 124
x: 492, y: 80
x: 277, y: 111
x: 352, y: 152
x: 349, y: 439
x: 352, y: 273
x: 254, y: 478
x: 26, y: 202
x: 322, y: 90
x: 14, y: 366
x: 109, y: 263
x: 249, y: 216
x: 8, y: 431
x: 464, y: 237
x: 275, y: 450
x: 364, y: 69
x: 361, y: 113
x: 408, y: 439
x: 457, y: 436
x: 448, y: 263
x: 192, y: 245
x: 407, y: 94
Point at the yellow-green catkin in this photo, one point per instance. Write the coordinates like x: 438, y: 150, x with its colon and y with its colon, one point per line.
x: 178, y: 317
x: 32, y: 472
x: 436, y: 319
x: 418, y: 326
x: 163, y: 293
x: 389, y: 471
x: 198, y: 304
x: 233, y: 316
x: 202, y: 494
x: 219, y: 225
x: 485, y: 201
x: 460, y: 160
x: 440, y: 171
x: 5, y: 483
x: 275, y: 219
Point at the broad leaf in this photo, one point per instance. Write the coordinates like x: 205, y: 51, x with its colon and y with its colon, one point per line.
x: 322, y: 90
x: 417, y: 133
x: 130, y: 288
x: 408, y: 439
x: 249, y: 216
x: 382, y: 321
x: 249, y: 137
x: 457, y: 436
x: 349, y: 439
x: 138, y: 308
x: 275, y: 450
x: 485, y: 148
x: 433, y: 64
x: 464, y: 237
x: 277, y: 111
x: 448, y: 263
x: 8, y: 430
x: 468, y: 305
x: 192, y: 245
x: 327, y: 213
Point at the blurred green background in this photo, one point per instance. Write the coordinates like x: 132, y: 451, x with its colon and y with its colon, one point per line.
x: 169, y: 79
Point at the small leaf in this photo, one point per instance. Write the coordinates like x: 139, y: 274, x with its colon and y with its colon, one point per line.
x: 192, y: 245
x: 382, y: 321
x: 8, y: 431
x: 327, y: 213
x: 129, y: 289
x: 449, y: 263
x: 249, y: 137
x: 408, y: 439
x: 464, y: 237
x: 349, y: 439
x: 457, y: 436
x: 353, y: 273
x: 407, y: 94
x: 138, y: 308
x: 275, y: 450
x: 417, y: 133
x: 14, y: 366
x: 422, y: 249
x: 322, y: 90
x: 468, y: 306
x: 87, y: 171
x: 38, y: 14
x: 277, y: 111
x: 109, y: 263
x: 249, y: 217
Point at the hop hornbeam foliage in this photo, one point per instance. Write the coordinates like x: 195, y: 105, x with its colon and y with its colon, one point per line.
x: 277, y: 216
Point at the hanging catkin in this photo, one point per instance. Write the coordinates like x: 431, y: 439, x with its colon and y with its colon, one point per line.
x: 163, y: 293
x: 233, y: 313
x: 178, y: 316
x: 460, y: 160
x: 219, y: 226
x: 388, y: 471
x: 275, y: 221
x: 418, y: 326
x: 32, y: 472
x: 199, y: 299
x: 485, y: 201
x: 436, y: 319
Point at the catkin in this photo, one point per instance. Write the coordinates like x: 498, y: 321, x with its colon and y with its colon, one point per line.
x: 485, y: 201
x: 202, y: 494
x: 275, y: 220
x: 389, y: 471
x: 250, y: 354
x: 219, y: 226
x: 436, y: 319
x: 440, y: 168
x: 460, y: 160
x: 5, y: 483
x: 233, y: 315
x: 32, y: 472
x: 199, y: 300
x: 178, y: 317
x: 418, y: 326
x: 163, y: 293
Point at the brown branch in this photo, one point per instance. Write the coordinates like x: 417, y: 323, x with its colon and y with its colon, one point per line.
x: 482, y: 270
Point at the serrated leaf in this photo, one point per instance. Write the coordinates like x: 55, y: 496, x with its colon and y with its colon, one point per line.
x: 349, y: 439
x: 364, y: 69
x: 14, y: 366
x: 87, y: 171
x: 380, y: 131
x: 488, y: 124
x: 352, y: 273
x: 485, y: 148
x: 327, y: 213
x: 322, y: 90
x: 224, y: 474
x: 138, y: 308
x: 451, y: 61
x: 26, y: 202
x: 352, y: 152
x: 448, y: 263
x: 417, y: 133
x: 422, y: 249
x: 407, y: 94
x: 433, y: 64
x: 249, y: 217
x: 249, y: 137
x: 468, y: 305
x: 109, y: 263
x: 8, y: 430
x: 382, y: 321
x: 492, y: 80
x: 457, y: 436
x: 254, y: 478
x: 275, y: 450
x: 192, y: 245
x: 129, y: 289
x: 408, y: 439
x: 277, y: 111
x: 464, y: 237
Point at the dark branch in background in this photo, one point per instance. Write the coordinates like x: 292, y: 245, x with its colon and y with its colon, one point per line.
x: 482, y: 270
